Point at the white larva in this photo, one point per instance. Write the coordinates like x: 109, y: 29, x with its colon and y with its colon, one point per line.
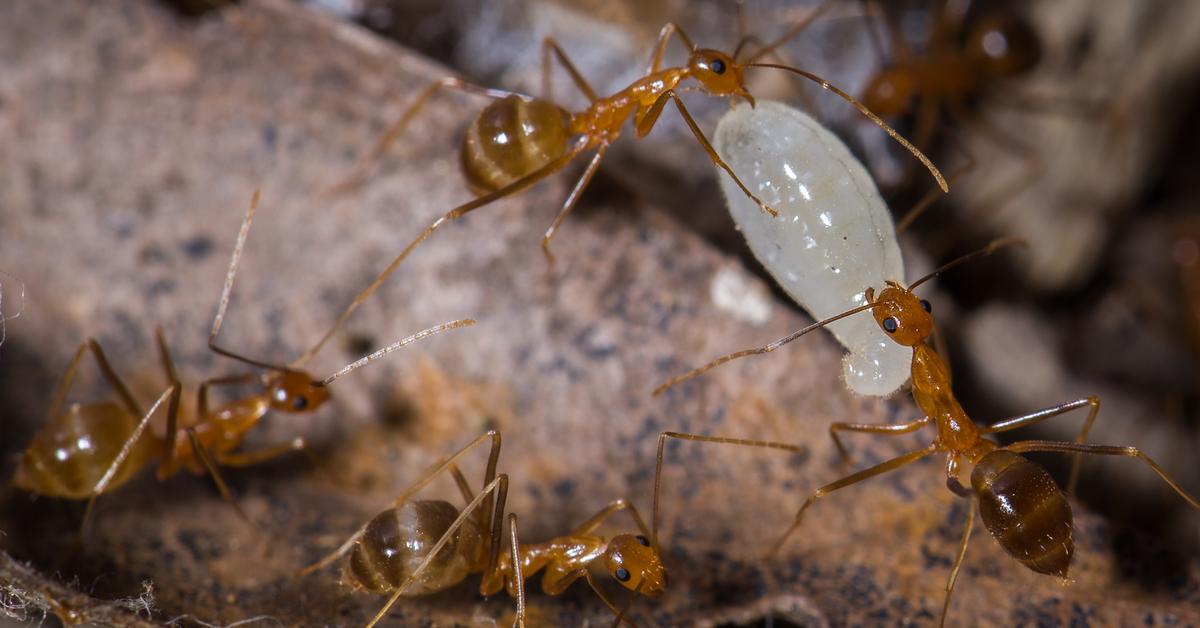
x: 833, y: 238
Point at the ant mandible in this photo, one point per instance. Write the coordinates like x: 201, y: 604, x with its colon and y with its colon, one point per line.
x: 418, y: 547
x: 90, y: 448
x: 1020, y: 504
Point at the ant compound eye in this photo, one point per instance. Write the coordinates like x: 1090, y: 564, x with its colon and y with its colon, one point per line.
x: 717, y: 66
x: 927, y: 305
x: 300, y: 403
x: 890, y: 325
x: 621, y: 574
x: 643, y: 540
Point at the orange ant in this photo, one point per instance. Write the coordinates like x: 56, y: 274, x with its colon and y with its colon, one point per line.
x: 518, y: 140
x: 1021, y: 506
x: 424, y: 546
x: 90, y: 448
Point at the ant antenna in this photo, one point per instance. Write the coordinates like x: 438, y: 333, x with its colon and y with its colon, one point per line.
x: 363, y: 361
x: 760, y: 350
x: 223, y: 305
x: 992, y: 247
x: 937, y: 175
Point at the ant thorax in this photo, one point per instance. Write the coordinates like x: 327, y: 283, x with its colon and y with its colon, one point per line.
x: 834, y: 235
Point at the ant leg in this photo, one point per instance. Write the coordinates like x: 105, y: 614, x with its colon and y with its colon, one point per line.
x: 1105, y: 450
x: 500, y: 486
x: 958, y: 561
x: 612, y: 508
x: 518, y: 577
x: 259, y: 456
x: 854, y: 478
x: 550, y: 45
x: 1042, y: 415
x: 650, y: 117
x: 447, y: 463
x: 660, y: 45
x: 106, y: 369
x: 362, y: 170
x: 164, y: 354
x: 873, y: 428
x: 171, y: 392
x: 679, y: 379
x: 662, y: 440
x: 572, y: 199
x: 228, y: 380
x: 457, y: 212
x: 205, y: 458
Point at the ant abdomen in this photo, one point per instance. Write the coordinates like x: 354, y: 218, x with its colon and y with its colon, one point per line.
x: 396, y: 541
x: 512, y: 138
x: 69, y: 460
x: 1025, y: 511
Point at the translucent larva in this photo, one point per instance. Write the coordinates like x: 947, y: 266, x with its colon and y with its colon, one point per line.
x: 834, y: 237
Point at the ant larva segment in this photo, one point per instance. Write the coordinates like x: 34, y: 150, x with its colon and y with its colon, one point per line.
x: 834, y: 235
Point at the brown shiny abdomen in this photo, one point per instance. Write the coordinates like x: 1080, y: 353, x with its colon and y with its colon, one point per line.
x: 397, y: 540
x: 70, y: 454
x: 510, y: 139
x: 1025, y: 511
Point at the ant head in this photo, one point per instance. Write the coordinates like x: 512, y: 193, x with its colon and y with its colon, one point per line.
x: 890, y: 92
x: 1003, y: 45
x: 632, y: 562
x: 718, y: 73
x: 295, y: 391
x: 901, y: 315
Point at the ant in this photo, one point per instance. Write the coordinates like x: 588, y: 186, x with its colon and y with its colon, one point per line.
x: 1021, y: 506
x: 518, y: 140
x: 90, y: 448
x: 962, y: 63
x: 424, y: 546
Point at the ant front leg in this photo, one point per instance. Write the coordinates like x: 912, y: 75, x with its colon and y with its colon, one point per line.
x: 660, y: 45
x: 1041, y: 415
x: 888, y: 429
x: 1104, y: 450
x: 593, y: 522
x: 362, y: 170
x: 648, y: 119
x: 202, y: 454
x: 550, y: 46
